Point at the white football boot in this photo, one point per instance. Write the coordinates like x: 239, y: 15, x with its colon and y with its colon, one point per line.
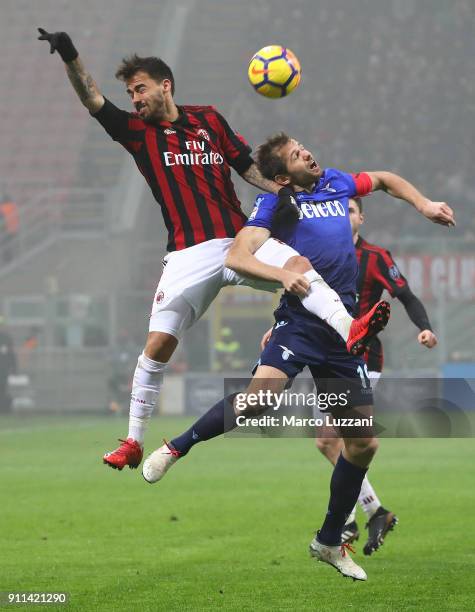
x: 338, y: 557
x: 157, y: 464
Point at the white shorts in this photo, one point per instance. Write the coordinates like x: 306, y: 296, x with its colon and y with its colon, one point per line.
x: 193, y: 277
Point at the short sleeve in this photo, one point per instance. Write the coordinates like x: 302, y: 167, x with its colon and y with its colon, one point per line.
x: 389, y: 275
x: 114, y: 120
x: 236, y: 150
x: 351, y: 184
x: 263, y: 211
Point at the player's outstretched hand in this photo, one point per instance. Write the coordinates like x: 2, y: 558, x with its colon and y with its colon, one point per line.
x: 439, y: 212
x: 427, y: 338
x: 295, y: 283
x: 266, y: 337
x: 60, y: 42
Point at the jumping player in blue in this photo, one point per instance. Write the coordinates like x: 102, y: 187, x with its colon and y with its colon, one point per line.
x: 320, y: 231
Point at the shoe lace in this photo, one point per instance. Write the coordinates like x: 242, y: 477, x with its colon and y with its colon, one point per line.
x: 122, y: 450
x: 172, y: 450
x: 344, y: 547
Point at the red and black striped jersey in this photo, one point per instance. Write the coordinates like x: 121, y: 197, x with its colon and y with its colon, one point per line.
x: 377, y: 271
x: 187, y: 165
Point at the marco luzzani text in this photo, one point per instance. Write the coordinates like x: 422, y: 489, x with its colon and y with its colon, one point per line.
x: 266, y: 400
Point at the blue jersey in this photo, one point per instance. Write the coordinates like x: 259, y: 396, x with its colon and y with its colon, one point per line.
x: 323, y: 231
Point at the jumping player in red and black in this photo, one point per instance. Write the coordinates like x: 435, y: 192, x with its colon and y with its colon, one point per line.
x: 185, y: 154
x: 377, y: 272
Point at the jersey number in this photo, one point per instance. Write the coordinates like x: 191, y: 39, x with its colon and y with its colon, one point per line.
x: 364, y: 375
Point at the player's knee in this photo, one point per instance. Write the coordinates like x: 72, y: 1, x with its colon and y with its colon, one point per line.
x: 298, y: 263
x: 251, y: 410
x: 160, y: 346
x: 325, y: 445
x: 245, y: 410
x: 363, y: 447
x: 372, y: 447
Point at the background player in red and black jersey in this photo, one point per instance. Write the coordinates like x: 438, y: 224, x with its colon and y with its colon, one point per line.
x: 377, y: 271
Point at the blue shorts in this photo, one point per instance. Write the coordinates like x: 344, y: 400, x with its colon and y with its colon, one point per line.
x: 301, y: 339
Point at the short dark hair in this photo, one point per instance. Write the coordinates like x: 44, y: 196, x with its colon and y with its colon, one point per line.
x: 153, y: 66
x: 269, y: 160
x: 359, y: 203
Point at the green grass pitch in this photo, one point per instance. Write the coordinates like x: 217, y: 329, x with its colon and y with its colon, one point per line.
x: 229, y: 526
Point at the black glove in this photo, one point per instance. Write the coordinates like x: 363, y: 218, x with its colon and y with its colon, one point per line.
x: 287, y: 210
x: 60, y: 42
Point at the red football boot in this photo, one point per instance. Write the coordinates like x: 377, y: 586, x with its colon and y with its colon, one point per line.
x: 129, y: 453
x: 364, y: 328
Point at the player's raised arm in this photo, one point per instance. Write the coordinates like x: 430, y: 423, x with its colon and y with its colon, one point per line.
x: 81, y: 80
x: 396, y: 186
x: 241, y: 259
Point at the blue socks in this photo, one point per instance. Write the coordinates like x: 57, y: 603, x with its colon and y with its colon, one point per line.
x: 345, y: 488
x: 218, y: 420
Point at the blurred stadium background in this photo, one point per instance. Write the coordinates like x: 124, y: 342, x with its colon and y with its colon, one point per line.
x: 386, y: 85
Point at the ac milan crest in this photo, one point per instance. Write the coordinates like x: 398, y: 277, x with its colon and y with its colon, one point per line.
x: 203, y: 133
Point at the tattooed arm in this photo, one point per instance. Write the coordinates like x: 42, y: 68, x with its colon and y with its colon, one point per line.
x: 253, y: 176
x: 81, y: 80
x: 84, y: 86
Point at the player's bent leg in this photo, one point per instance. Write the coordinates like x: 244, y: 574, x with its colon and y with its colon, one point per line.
x: 321, y: 299
x: 219, y: 419
x: 324, y: 302
x: 298, y: 263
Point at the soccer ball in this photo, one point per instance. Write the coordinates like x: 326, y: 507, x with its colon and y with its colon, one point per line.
x: 274, y: 71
